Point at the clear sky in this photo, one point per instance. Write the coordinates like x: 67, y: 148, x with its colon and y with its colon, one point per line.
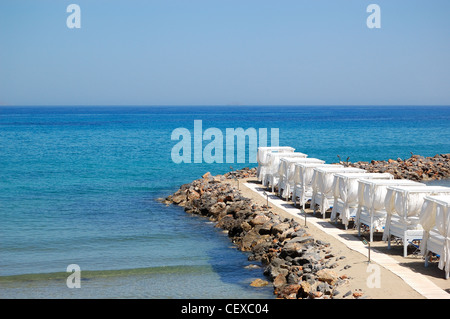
x: 221, y: 52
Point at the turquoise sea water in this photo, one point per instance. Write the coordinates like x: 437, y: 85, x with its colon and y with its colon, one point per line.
x: 78, y: 186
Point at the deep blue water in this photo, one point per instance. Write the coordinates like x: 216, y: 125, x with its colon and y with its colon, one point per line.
x: 78, y: 186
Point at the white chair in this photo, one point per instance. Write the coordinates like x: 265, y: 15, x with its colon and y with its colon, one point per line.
x: 286, y: 181
x: 371, y: 197
x: 323, y: 185
x: 262, y: 157
x: 345, y: 186
x: 403, y: 207
x: 303, y: 180
x: 271, y: 171
x: 435, y: 221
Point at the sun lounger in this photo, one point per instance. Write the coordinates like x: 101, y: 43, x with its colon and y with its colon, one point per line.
x: 435, y: 221
x: 345, y: 186
x: 403, y: 207
x: 371, y: 200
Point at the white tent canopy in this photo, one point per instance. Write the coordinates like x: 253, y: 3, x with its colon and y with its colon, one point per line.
x: 272, y: 166
x: 287, y: 172
x: 435, y: 220
x: 303, y: 179
x: 371, y: 200
x: 345, y: 192
x: 403, y: 207
x: 323, y: 179
x: 262, y: 156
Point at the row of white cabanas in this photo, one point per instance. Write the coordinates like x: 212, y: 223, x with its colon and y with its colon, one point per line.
x: 402, y: 208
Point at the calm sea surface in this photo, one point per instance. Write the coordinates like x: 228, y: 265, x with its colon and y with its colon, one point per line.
x: 78, y: 186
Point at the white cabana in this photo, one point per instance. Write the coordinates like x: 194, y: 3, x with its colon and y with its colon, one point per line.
x: 323, y: 180
x: 403, y: 207
x: 287, y: 170
x: 274, y: 163
x: 435, y: 221
x: 285, y: 164
x: 371, y: 198
x: 303, y: 180
x: 263, y: 160
x: 345, y: 192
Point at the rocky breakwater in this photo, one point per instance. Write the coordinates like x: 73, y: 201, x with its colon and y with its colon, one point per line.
x: 417, y: 167
x: 295, y: 263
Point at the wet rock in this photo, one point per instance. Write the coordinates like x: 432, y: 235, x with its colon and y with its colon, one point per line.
x: 259, y: 283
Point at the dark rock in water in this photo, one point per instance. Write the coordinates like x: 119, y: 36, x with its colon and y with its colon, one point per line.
x: 259, y: 283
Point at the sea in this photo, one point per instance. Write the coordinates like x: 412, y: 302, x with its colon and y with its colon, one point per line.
x: 79, y: 186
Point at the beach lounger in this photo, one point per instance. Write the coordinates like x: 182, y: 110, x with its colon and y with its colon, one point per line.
x: 323, y: 180
x: 303, y: 180
x: 271, y: 171
x: 345, y: 186
x: 287, y: 171
x: 403, y: 206
x: 435, y: 221
x: 371, y: 200
x: 263, y: 160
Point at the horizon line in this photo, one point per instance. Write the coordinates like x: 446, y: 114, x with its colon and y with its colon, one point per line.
x: 224, y: 105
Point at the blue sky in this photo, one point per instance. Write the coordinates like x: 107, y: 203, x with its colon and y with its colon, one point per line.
x: 221, y: 52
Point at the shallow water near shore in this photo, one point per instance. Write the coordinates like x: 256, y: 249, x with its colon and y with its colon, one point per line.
x: 79, y: 186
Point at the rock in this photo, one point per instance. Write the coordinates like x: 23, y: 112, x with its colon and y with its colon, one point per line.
x: 357, y: 294
x: 266, y: 228
x: 192, y: 194
x: 206, y: 175
x: 416, y: 167
x: 227, y: 222
x: 305, y: 289
x: 303, y: 240
x: 280, y: 228
x: 252, y: 266
x: 289, y: 291
x: 218, y: 208
x: 328, y: 276
x: 279, y: 281
x: 348, y: 293
x: 259, y: 283
x: 259, y: 220
x: 292, y: 249
x: 272, y: 272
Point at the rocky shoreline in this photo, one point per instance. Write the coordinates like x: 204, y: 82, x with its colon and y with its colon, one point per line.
x: 417, y: 167
x: 297, y: 265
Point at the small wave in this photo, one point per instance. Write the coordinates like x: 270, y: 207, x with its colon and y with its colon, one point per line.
x: 95, y: 274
